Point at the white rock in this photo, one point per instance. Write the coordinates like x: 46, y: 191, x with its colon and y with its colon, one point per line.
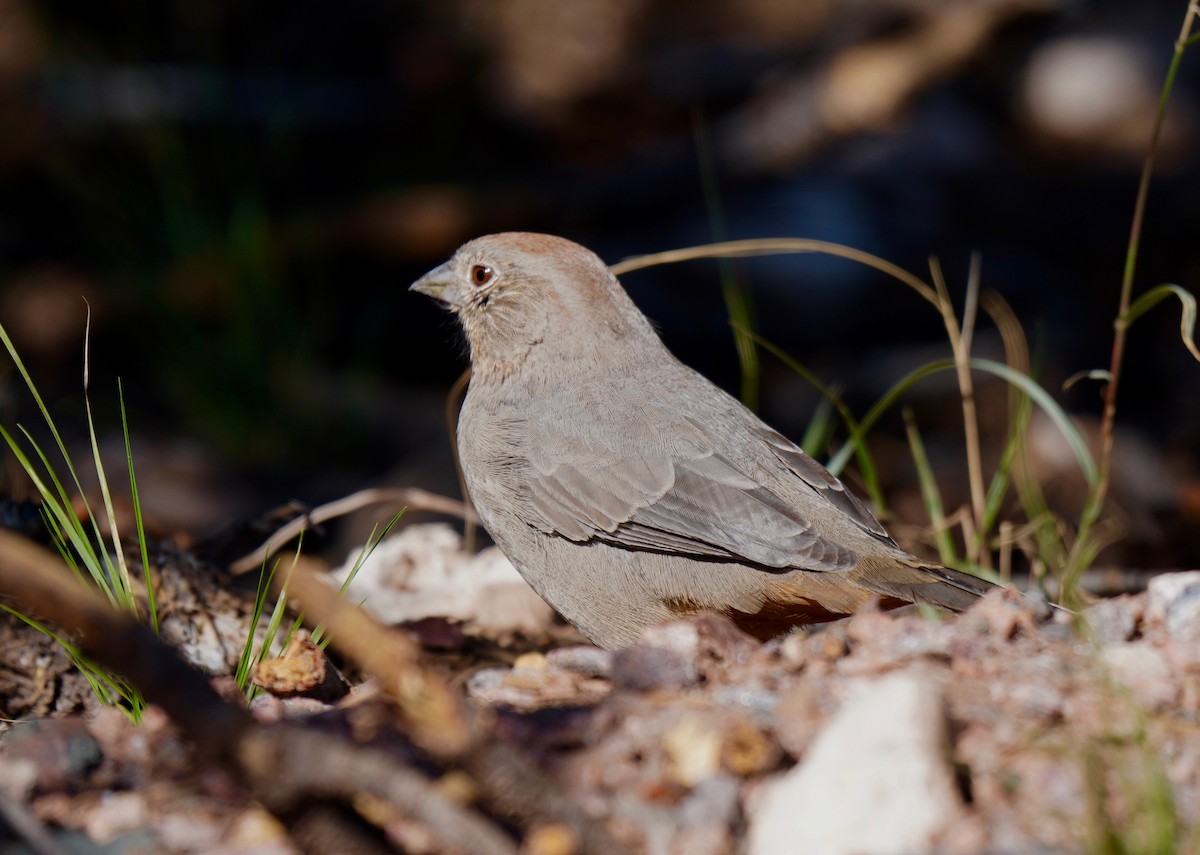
x: 1144, y: 671
x: 1173, y: 600
x: 874, y: 782
x: 423, y: 572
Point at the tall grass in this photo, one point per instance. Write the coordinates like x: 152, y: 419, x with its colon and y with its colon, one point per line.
x: 980, y: 520
x: 254, y: 652
x: 1054, y: 546
x: 1086, y: 545
x: 79, y: 538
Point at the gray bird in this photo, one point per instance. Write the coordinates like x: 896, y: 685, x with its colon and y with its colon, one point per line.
x: 629, y: 490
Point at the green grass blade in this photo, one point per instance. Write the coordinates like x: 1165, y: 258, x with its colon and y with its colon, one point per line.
x: 137, y: 511
x: 857, y: 442
x: 60, y: 541
x: 119, y: 571
x: 1049, y: 406
x: 930, y: 494
x: 740, y: 306
x: 97, y: 561
x: 41, y: 405
x: 371, y: 544
x: 250, y: 659
x: 1187, y: 318
x: 820, y: 429
x: 1022, y: 381
x: 318, y: 634
x: 60, y: 492
x: 106, y: 686
x: 998, y: 488
x: 72, y: 539
x: 739, y: 302
x: 68, y: 523
x: 272, y: 631
x: 1050, y: 546
x: 839, y: 460
x: 242, y: 672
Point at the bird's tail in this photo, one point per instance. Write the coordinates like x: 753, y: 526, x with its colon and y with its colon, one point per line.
x: 921, y: 582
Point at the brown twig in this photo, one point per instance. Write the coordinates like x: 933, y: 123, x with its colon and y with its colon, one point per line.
x: 290, y: 765
x: 22, y: 821
x: 282, y: 765
x: 409, y: 497
x: 39, y: 583
x: 324, y: 827
x: 437, y: 719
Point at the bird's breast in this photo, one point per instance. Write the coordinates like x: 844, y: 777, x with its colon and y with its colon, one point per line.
x: 493, y: 435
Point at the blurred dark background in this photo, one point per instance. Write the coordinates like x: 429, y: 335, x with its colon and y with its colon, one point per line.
x: 242, y: 192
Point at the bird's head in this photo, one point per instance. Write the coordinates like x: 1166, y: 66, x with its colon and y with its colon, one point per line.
x: 518, y: 292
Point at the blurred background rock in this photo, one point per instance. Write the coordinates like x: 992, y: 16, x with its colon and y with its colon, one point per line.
x: 242, y: 192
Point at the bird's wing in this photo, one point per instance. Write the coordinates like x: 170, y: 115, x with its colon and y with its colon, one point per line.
x: 820, y: 479
x: 694, y: 501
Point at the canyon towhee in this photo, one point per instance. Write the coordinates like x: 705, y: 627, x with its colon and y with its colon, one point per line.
x: 629, y: 490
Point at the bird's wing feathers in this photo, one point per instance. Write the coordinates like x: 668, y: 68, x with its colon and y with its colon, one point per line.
x: 693, y: 500
x: 819, y: 478
x: 713, y: 503
x: 579, y: 503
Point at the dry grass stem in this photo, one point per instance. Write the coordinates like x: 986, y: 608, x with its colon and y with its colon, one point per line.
x: 960, y: 345
x: 775, y: 246
x: 453, y: 404
x: 408, y: 497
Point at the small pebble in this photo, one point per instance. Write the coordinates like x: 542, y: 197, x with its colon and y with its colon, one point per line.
x: 588, y: 661
x: 643, y: 669
x: 1173, y: 602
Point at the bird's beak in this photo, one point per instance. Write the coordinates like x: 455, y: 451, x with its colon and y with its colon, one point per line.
x: 439, y: 284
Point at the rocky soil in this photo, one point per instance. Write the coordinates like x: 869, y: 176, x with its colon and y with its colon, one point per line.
x: 1014, y: 728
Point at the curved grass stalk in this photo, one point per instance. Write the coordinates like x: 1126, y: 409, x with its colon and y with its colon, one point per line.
x: 1187, y: 314
x: 777, y: 246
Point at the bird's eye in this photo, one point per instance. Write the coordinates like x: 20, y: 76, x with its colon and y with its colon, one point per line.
x: 481, y: 275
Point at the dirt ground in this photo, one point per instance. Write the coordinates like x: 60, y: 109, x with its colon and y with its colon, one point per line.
x: 1013, y: 728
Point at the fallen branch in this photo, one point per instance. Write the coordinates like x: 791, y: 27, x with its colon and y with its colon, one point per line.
x: 436, y: 718
x: 283, y: 766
